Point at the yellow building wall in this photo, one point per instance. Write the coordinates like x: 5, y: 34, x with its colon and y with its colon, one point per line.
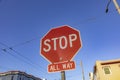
x: 114, y: 71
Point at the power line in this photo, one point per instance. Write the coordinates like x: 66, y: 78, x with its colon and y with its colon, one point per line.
x: 31, y: 64
x: 24, y: 58
x: 16, y: 53
x: 19, y: 44
x: 5, y: 50
x: 25, y: 42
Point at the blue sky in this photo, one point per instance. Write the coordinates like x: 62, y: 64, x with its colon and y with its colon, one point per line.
x: 24, y: 22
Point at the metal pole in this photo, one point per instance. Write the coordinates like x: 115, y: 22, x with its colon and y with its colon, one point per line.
x: 82, y: 70
x: 117, y: 6
x: 63, y: 75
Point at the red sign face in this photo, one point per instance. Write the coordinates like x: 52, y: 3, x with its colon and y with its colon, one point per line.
x: 61, y: 66
x: 60, y: 44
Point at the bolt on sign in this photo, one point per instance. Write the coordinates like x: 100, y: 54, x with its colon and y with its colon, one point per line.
x: 60, y: 44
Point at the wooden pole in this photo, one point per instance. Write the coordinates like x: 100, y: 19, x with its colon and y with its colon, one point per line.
x: 117, y: 6
x: 83, y: 77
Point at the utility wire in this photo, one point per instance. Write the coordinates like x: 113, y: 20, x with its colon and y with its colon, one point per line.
x: 25, y: 42
x: 35, y: 68
x: 29, y: 63
x: 25, y: 58
x: 17, y: 53
x: 37, y: 65
x: 18, y: 58
x: 20, y: 44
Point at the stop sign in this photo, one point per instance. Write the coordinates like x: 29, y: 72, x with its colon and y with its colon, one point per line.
x: 60, y: 44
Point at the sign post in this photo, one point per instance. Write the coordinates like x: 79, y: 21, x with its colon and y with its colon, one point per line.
x: 63, y: 75
x: 59, y: 46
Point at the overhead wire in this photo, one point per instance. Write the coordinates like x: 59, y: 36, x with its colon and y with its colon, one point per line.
x: 29, y: 62
x: 25, y: 42
x: 20, y: 44
x: 5, y: 50
x: 24, y: 58
x: 18, y: 58
x: 36, y: 70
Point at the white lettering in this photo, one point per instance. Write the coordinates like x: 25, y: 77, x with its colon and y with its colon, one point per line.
x: 72, y: 37
x: 60, y: 42
x: 64, y: 66
x: 47, y: 44
x: 54, y: 41
x: 54, y: 68
x: 67, y: 66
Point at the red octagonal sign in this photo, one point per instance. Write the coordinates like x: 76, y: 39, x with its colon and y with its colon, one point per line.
x: 60, y: 44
